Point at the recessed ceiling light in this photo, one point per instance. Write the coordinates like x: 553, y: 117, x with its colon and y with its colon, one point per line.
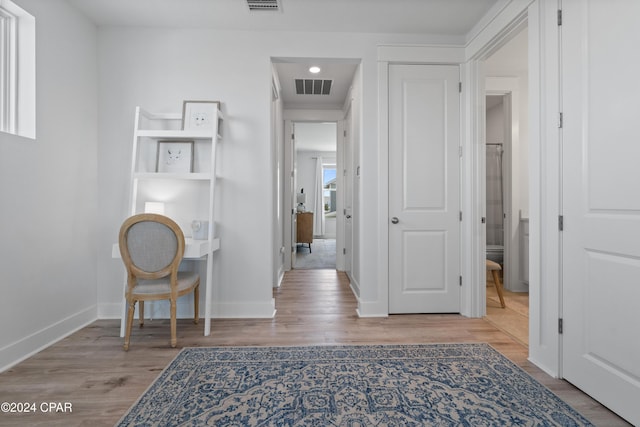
x: 314, y: 70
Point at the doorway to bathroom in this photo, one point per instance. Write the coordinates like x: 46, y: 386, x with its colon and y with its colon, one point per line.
x: 507, y: 182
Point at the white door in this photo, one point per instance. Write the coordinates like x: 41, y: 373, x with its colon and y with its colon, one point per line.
x: 424, y: 227
x: 348, y: 192
x: 601, y: 201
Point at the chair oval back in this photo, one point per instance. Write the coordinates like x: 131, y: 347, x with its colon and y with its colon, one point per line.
x: 151, y: 245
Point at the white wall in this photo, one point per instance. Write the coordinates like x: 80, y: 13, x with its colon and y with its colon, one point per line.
x: 158, y: 69
x: 495, y: 124
x: 48, y: 191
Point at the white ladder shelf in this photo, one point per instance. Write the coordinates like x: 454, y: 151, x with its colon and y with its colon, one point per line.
x: 184, y: 190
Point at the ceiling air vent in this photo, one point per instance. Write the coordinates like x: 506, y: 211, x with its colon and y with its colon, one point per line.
x: 313, y: 87
x: 263, y: 5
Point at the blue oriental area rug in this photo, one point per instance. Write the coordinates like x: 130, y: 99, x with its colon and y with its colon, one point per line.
x: 387, y: 385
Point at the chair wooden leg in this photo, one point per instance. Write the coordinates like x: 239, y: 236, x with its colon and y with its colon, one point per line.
x: 174, y: 339
x: 196, y: 304
x: 141, y: 313
x: 127, y: 335
x: 496, y: 281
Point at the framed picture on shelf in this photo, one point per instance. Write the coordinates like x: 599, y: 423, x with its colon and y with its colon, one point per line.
x: 175, y: 156
x: 198, y: 114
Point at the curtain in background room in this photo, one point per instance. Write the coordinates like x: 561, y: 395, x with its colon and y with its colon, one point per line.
x: 318, y: 201
x: 495, y: 209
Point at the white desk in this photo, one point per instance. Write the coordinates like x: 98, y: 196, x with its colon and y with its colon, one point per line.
x: 193, y: 250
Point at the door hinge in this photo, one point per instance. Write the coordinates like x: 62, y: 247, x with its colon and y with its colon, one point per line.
x: 560, y: 325
x: 344, y: 133
x: 460, y: 280
x: 460, y: 151
x: 293, y: 136
x: 460, y: 87
x: 561, y: 223
x: 344, y: 251
x: 559, y: 17
x: 560, y: 120
x: 460, y: 215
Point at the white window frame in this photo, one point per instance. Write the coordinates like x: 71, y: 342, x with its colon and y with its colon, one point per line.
x: 17, y: 71
x: 8, y: 70
x: 325, y: 190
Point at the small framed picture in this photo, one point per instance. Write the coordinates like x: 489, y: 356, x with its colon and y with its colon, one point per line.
x: 175, y: 156
x: 198, y: 114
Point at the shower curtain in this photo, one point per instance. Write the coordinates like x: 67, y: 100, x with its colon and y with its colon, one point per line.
x: 318, y: 205
x: 495, y: 203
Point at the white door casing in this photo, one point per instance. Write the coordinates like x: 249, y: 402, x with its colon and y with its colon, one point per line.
x: 293, y: 188
x: 424, y: 181
x: 601, y: 202
x: 348, y: 192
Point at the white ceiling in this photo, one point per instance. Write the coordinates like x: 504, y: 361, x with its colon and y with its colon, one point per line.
x: 438, y: 17
x: 341, y: 72
x: 454, y: 21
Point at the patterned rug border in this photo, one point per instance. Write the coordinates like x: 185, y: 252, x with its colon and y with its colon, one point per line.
x: 337, y: 347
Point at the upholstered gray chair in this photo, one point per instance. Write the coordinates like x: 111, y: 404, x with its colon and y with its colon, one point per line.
x: 152, y: 247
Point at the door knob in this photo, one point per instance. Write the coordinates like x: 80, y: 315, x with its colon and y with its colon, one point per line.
x: 348, y: 216
x: 395, y: 220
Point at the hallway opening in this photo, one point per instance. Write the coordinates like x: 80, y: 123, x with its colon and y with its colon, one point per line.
x: 313, y: 162
x: 317, y: 193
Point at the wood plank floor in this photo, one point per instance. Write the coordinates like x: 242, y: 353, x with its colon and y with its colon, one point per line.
x: 90, y: 370
x: 514, y: 318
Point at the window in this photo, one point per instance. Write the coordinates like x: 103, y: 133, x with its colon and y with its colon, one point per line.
x: 17, y: 70
x: 329, y: 193
x: 8, y: 43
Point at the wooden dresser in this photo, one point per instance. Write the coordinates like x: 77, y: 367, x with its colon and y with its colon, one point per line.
x: 304, y: 230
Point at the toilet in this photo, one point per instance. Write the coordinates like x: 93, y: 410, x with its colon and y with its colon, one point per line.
x: 495, y: 253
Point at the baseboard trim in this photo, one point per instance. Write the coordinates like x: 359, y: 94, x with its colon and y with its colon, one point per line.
x: 110, y: 311
x: 354, y: 285
x: 26, y: 347
x: 280, y: 278
x: 371, y: 309
x: 245, y: 310
x: 367, y: 309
